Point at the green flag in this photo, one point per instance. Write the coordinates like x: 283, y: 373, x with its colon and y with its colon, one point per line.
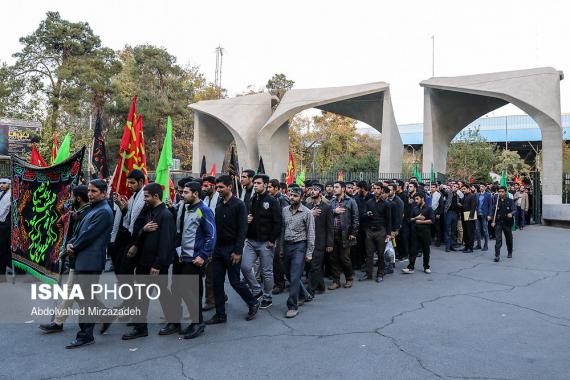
x: 63, y: 151
x: 165, y: 162
x: 416, y: 172
x: 300, y: 180
x: 503, y: 180
x: 432, y: 174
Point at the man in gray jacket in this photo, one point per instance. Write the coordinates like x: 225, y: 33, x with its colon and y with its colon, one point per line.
x: 89, y: 249
x: 345, y: 226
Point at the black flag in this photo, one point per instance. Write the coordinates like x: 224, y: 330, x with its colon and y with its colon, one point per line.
x: 260, y: 167
x: 99, y: 154
x: 234, y: 173
x: 203, y: 171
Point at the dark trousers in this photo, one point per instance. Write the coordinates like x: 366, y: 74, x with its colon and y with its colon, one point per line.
x: 294, y: 264
x: 181, y: 291
x: 165, y: 299
x: 85, y: 279
x: 279, y: 266
x: 209, y: 285
x: 403, y: 241
x: 450, y: 228
x: 316, y: 274
x: 358, y: 252
x: 436, y: 229
x: 421, y: 239
x: 340, y: 259
x: 499, y: 231
x: 222, y: 263
x: 520, y: 217
x: 5, y: 250
x: 375, y: 243
x: 469, y: 233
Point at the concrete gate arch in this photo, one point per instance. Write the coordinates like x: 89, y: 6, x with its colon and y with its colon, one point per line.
x: 451, y: 103
x: 219, y: 122
x: 370, y: 103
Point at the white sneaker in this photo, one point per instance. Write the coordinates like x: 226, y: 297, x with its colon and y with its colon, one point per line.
x: 291, y: 313
x: 407, y: 271
x: 428, y: 271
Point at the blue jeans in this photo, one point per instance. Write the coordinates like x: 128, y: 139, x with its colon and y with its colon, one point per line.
x: 294, y: 264
x: 450, y: 228
x: 483, y: 230
x: 252, y: 249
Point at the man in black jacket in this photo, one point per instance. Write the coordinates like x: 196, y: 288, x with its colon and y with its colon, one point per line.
x: 273, y: 188
x: 358, y: 253
x: 264, y: 228
x: 231, y: 227
x: 324, y: 242
x: 154, y: 249
x: 422, y: 218
x: 89, y: 250
x: 469, y: 218
x: 503, y: 222
x: 378, y: 213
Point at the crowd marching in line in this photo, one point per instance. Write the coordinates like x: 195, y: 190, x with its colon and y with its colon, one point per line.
x: 268, y: 238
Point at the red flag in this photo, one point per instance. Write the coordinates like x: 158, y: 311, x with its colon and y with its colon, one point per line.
x: 131, y: 151
x: 36, y: 158
x: 54, y: 148
x: 290, y: 176
x: 213, y: 171
x: 340, y: 175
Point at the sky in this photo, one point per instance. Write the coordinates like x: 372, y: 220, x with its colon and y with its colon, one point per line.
x: 326, y: 43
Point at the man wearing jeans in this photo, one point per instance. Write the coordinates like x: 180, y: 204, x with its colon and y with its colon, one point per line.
x: 264, y: 228
x: 484, y: 213
x: 298, y: 234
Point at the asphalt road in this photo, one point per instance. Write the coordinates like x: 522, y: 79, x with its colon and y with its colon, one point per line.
x: 470, y: 319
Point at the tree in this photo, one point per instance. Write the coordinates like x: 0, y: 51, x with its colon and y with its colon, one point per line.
x: 470, y: 157
x: 50, y: 59
x: 278, y: 85
x: 333, y: 143
x: 510, y: 162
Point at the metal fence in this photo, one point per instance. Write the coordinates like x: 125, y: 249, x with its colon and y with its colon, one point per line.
x: 566, y: 188
x: 324, y: 177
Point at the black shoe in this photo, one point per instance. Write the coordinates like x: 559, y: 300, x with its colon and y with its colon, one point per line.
x: 510, y: 256
x: 365, y: 278
x: 135, y: 333
x: 309, y: 298
x: 104, y: 327
x: 447, y: 250
x: 194, y: 331
x: 319, y: 291
x: 52, y: 327
x: 465, y: 250
x: 277, y: 290
x: 379, y: 279
x: 453, y: 249
x: 265, y: 304
x: 216, y: 319
x: 258, y: 295
x: 496, y: 259
x: 252, y: 311
x: 76, y: 343
x: 419, y: 254
x: 169, y: 329
x: 477, y: 247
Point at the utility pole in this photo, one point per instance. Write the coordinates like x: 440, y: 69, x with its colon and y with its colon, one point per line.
x: 218, y: 76
x: 433, y: 56
x: 506, y: 135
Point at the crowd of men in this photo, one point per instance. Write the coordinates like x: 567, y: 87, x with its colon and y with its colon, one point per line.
x: 268, y: 238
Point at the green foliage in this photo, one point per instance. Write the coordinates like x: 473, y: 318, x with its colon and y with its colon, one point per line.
x: 471, y: 157
x: 279, y: 84
x: 331, y: 142
x: 510, y: 162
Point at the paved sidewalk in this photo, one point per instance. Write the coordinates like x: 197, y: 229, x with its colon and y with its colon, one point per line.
x: 470, y: 319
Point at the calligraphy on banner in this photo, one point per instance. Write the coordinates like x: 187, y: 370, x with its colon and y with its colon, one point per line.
x: 41, y: 204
